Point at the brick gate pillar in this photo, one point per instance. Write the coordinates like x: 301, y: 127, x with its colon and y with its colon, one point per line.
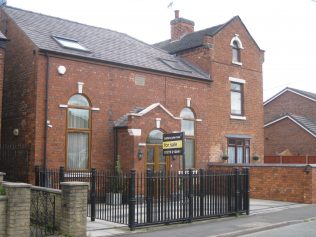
x: 18, y: 209
x: 1, y: 177
x: 74, y: 208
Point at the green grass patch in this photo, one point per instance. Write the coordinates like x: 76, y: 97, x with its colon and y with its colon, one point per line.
x: 2, y: 191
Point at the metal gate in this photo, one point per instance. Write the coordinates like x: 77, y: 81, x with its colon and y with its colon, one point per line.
x: 140, y: 199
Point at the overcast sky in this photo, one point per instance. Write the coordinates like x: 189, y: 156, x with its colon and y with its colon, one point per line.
x: 285, y: 29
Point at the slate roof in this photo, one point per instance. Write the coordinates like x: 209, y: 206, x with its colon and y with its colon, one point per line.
x: 104, y: 45
x: 309, y: 95
x: 305, y: 93
x: 306, y: 123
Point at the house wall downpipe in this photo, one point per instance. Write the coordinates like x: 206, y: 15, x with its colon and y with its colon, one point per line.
x: 46, y: 110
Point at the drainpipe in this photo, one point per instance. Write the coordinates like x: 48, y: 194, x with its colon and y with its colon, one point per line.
x: 46, y: 110
x: 115, y: 144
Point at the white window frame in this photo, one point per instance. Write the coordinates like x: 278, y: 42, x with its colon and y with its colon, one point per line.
x: 243, y: 82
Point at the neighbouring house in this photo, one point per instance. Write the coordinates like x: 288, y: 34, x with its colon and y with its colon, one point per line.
x: 290, y: 123
x: 82, y: 96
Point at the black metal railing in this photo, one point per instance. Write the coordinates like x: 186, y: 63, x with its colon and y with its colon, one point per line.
x: 14, y: 160
x: 177, y: 197
x: 42, y: 213
x: 140, y: 199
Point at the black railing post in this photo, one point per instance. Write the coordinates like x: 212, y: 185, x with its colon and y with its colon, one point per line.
x: 237, y: 191
x: 190, y: 195
x: 229, y: 192
x: 202, y: 191
x: 61, y: 174
x: 132, y: 200
x: 37, y: 173
x: 93, y: 193
x: 246, y: 189
x: 149, y: 197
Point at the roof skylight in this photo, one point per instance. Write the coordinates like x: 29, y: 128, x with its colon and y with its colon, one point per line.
x: 70, y: 43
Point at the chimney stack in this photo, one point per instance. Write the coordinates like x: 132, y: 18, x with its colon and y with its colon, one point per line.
x: 180, y: 26
x: 176, y: 14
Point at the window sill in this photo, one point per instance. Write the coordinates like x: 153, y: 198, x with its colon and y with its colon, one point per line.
x: 238, y: 117
x: 237, y: 63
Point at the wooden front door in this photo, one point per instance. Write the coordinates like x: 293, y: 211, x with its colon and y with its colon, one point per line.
x: 155, y: 161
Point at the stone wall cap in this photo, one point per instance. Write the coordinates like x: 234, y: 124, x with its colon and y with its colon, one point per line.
x: 74, y: 183
x: 2, y: 174
x: 16, y: 185
x: 213, y: 164
x: 3, y: 198
x: 50, y: 190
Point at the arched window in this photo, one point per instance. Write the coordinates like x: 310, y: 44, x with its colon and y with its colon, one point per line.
x: 236, y: 45
x: 188, y: 127
x: 78, y: 132
x: 187, y: 121
x: 236, y: 52
x: 155, y: 137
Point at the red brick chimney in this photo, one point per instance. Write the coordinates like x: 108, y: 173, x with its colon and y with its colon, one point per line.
x: 180, y: 26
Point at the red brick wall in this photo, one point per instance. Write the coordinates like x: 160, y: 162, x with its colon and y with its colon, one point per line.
x: 289, y: 102
x: 290, y: 183
x: 290, y: 159
x: 284, y: 135
x: 19, y: 85
x: 125, y: 150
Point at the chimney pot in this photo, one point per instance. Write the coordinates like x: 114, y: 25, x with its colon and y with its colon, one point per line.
x: 176, y: 13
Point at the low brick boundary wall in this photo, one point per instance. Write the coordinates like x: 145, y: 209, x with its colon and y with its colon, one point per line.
x: 15, y: 208
x: 291, y: 183
x: 3, y: 217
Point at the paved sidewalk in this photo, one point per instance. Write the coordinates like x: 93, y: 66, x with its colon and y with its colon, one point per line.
x: 101, y: 228
x: 258, y: 206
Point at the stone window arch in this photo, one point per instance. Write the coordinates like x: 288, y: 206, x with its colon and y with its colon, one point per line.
x: 236, y: 45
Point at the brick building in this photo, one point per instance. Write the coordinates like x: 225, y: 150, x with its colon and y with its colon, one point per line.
x: 83, y: 96
x: 290, y: 123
